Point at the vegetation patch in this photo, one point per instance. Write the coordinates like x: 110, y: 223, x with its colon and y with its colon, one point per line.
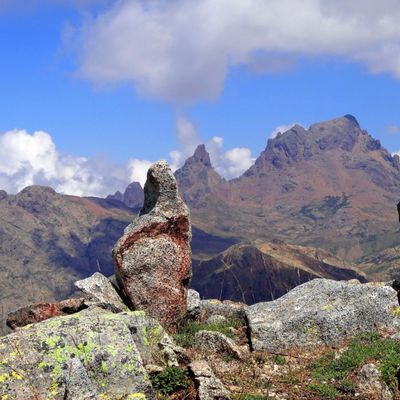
x: 184, y: 336
x: 332, y: 376
x: 171, y: 380
x: 251, y: 397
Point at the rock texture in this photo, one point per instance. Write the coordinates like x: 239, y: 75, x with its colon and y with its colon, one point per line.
x: 41, y: 311
x: 98, y: 289
x: 322, y: 312
x: 193, y: 304
x: 370, y: 384
x: 209, y: 387
x: 90, y: 355
x: 153, y: 258
x: 216, y: 342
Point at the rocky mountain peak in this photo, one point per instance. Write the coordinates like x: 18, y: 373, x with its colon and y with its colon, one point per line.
x: 132, y: 197
x: 201, y: 155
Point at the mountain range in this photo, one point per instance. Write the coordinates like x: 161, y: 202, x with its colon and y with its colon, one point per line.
x: 318, y: 202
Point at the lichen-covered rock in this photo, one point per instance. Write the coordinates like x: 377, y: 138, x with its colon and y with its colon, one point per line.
x: 209, y: 387
x: 217, y: 343
x: 153, y: 258
x: 41, y: 311
x: 322, y: 312
x: 98, y: 288
x: 93, y: 354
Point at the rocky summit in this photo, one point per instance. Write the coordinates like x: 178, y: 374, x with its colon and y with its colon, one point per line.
x: 153, y: 258
x: 151, y: 338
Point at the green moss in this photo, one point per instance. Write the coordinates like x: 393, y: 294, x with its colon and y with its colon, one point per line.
x: 249, y: 396
x: 135, y: 313
x: 312, y: 330
x: 52, y: 341
x: 103, y: 367
x: 396, y: 311
x: 327, y: 307
x: 137, y: 396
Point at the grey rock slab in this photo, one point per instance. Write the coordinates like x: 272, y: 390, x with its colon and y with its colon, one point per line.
x: 90, y: 354
x: 228, y: 309
x: 322, y: 311
x: 216, y: 342
x: 99, y: 289
x: 193, y: 304
x: 209, y: 387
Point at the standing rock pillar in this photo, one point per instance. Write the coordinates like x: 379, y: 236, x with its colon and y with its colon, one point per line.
x: 153, y: 257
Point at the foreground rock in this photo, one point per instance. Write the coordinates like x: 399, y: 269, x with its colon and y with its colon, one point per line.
x: 209, y: 387
x: 153, y: 258
x: 216, y: 342
x: 322, y: 312
x: 93, y: 354
x: 98, y: 289
x: 370, y: 383
x: 42, y: 311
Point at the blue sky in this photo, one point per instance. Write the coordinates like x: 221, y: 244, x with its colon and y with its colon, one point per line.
x: 118, y: 84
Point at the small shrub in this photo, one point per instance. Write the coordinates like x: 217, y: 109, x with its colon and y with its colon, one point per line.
x: 170, y: 380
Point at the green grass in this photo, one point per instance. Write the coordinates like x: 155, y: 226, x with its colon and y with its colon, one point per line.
x: 250, y: 397
x: 184, y: 336
x: 323, y: 390
x: 170, y: 380
x: 278, y: 359
x: 363, y: 348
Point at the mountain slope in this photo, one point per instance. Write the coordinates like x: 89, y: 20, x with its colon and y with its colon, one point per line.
x: 256, y: 272
x: 331, y: 186
x: 49, y: 240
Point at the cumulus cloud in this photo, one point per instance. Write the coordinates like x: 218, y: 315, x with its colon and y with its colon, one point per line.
x: 180, y: 51
x: 28, y: 159
x: 228, y: 163
x: 281, y: 129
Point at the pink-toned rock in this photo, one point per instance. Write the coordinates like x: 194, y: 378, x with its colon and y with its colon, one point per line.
x: 153, y: 258
x: 42, y: 311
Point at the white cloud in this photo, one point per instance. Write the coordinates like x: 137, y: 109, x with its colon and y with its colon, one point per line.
x: 396, y: 153
x: 138, y: 170
x: 281, y: 129
x: 28, y: 159
x: 180, y: 50
x: 187, y: 138
x: 229, y: 164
